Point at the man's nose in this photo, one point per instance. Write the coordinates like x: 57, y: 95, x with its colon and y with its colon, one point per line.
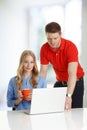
x: 52, y: 40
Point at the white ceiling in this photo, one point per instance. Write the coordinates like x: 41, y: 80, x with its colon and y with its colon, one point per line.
x: 43, y: 2
x: 30, y: 3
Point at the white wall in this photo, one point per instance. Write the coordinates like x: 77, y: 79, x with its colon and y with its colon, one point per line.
x: 13, y: 40
x: 84, y: 46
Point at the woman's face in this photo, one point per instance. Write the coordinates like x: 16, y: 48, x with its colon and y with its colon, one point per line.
x: 28, y: 64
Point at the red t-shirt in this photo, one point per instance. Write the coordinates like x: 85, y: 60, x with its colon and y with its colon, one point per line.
x: 66, y: 53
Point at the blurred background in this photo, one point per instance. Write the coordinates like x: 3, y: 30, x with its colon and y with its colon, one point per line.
x: 22, y: 25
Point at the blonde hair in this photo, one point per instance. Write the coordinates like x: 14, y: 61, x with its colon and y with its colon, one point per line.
x: 20, y: 70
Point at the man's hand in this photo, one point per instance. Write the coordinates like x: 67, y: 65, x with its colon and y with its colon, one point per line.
x: 68, y: 103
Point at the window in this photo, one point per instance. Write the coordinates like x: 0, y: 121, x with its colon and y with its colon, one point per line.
x: 68, y: 16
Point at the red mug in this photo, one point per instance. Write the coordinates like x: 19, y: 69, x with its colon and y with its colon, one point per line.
x: 26, y: 92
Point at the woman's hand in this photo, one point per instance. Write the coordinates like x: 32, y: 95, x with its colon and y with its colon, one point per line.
x: 28, y: 98
x: 20, y: 98
x: 19, y: 94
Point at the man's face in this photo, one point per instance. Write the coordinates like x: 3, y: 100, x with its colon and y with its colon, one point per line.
x: 53, y: 39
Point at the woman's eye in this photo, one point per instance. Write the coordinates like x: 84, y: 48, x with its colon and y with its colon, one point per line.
x: 32, y: 62
x: 26, y: 62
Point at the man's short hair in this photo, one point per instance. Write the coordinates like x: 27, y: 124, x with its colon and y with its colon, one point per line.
x: 52, y: 27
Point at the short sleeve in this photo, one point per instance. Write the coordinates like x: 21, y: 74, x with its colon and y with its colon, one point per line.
x: 43, y: 55
x: 72, y: 53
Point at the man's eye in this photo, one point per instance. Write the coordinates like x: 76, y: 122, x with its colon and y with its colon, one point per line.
x: 49, y: 39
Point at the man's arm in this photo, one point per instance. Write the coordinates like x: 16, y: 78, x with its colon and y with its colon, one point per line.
x: 72, y: 71
x: 43, y: 70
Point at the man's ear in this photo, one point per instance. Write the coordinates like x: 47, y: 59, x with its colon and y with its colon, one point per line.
x: 60, y: 33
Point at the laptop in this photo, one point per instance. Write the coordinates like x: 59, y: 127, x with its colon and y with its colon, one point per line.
x: 47, y: 100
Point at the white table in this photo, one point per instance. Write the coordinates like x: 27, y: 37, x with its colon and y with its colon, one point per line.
x: 76, y: 119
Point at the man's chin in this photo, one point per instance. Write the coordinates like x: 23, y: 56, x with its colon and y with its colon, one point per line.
x: 54, y: 47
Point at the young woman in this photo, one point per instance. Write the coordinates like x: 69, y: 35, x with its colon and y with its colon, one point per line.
x: 27, y: 78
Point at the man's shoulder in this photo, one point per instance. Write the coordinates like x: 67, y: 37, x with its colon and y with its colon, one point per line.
x: 67, y: 41
x: 45, y: 45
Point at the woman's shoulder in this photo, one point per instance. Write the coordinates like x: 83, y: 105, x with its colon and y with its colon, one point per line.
x: 42, y: 82
x: 12, y: 79
x: 41, y: 78
x: 11, y: 83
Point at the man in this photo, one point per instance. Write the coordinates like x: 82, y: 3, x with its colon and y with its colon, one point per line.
x: 63, y: 55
